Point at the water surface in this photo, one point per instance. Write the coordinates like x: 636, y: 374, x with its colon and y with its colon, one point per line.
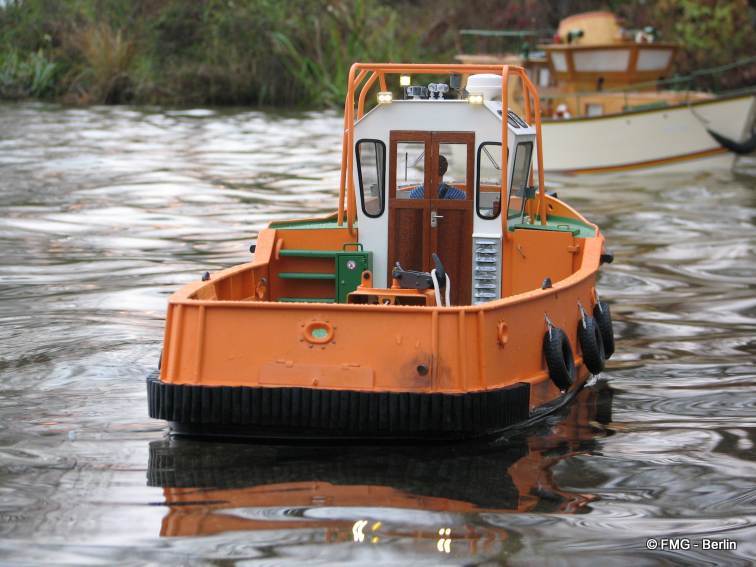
x: 105, y: 211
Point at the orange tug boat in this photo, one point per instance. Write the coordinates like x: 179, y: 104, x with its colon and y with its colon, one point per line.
x: 422, y: 309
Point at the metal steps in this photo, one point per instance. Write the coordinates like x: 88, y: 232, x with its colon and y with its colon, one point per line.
x: 348, y: 266
x: 305, y: 276
x: 310, y: 253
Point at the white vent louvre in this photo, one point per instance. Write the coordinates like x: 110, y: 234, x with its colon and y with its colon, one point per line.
x: 486, y: 278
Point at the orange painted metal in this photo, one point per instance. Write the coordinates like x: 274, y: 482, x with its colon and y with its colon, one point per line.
x: 232, y: 330
x: 219, y: 332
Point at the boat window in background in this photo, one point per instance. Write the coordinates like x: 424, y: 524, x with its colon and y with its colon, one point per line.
x: 544, y: 77
x: 371, y: 160
x: 601, y: 60
x: 520, y: 175
x: 653, y: 59
x: 489, y: 180
x: 559, y: 60
x: 410, y: 167
x: 594, y: 109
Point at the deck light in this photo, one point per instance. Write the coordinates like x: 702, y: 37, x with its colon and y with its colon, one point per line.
x: 384, y: 97
x: 405, y: 80
x: 475, y: 98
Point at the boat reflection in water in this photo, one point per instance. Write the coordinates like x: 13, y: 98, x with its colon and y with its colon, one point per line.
x: 433, y: 496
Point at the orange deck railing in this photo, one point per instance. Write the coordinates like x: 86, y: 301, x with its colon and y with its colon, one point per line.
x: 378, y: 71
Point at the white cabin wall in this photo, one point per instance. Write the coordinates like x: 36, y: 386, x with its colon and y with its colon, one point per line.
x: 421, y: 115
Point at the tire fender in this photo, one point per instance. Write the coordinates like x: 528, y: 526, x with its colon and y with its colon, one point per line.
x: 603, y: 317
x: 592, y: 344
x: 559, y: 358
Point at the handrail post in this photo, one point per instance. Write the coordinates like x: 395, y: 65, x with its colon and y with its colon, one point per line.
x: 526, y: 96
x: 504, y: 206
x: 342, y: 176
x: 539, y: 149
x: 528, y: 119
x: 363, y: 94
x: 382, y: 78
x: 351, y: 197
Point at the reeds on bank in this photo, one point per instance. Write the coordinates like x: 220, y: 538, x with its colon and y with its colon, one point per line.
x: 199, y: 52
x: 296, y: 52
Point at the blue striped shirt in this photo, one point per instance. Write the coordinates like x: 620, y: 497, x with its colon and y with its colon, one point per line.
x: 444, y: 192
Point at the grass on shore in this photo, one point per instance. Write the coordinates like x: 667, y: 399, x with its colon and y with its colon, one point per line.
x: 296, y: 52
x: 199, y: 52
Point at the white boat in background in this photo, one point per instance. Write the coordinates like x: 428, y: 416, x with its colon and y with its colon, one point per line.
x: 680, y: 137
x: 604, y: 110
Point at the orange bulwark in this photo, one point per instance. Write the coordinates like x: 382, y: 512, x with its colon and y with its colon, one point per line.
x: 339, y: 327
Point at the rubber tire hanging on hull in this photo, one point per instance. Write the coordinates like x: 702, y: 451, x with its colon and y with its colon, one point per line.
x: 559, y: 359
x: 592, y: 344
x: 603, y: 317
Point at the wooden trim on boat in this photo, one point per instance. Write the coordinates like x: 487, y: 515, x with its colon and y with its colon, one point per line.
x: 395, y: 204
x: 642, y: 164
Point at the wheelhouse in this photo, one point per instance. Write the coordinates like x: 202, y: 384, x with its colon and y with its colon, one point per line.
x: 401, y: 148
x: 429, y: 173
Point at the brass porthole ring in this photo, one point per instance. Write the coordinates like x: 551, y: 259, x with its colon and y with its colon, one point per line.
x: 318, y: 332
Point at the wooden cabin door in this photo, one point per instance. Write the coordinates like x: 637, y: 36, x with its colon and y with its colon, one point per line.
x: 440, y: 220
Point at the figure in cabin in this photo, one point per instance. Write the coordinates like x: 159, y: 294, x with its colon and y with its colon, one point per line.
x: 562, y: 112
x: 445, y: 191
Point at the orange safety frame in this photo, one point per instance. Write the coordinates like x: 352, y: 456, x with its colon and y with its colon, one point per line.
x: 378, y: 71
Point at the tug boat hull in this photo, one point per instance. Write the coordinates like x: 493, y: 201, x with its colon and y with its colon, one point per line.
x: 325, y: 334
x: 236, y: 365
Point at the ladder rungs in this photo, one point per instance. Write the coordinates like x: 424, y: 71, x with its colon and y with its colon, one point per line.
x: 310, y: 253
x: 306, y: 276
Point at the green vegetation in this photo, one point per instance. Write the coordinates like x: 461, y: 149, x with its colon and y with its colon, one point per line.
x: 714, y: 33
x: 198, y: 52
x: 293, y: 52
x: 27, y: 75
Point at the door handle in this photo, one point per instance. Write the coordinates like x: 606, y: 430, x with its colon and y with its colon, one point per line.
x: 434, y: 219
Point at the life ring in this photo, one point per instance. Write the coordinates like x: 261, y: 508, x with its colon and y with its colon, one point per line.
x: 604, y: 321
x: 591, y: 343
x: 559, y: 359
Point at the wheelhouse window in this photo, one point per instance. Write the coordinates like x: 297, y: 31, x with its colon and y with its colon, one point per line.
x: 519, y: 183
x: 559, y: 61
x: 488, y: 189
x: 452, y: 172
x: 410, y: 170
x: 371, y: 160
x: 653, y: 59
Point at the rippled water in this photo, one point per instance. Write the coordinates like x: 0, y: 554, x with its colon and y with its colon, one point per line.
x: 105, y: 211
